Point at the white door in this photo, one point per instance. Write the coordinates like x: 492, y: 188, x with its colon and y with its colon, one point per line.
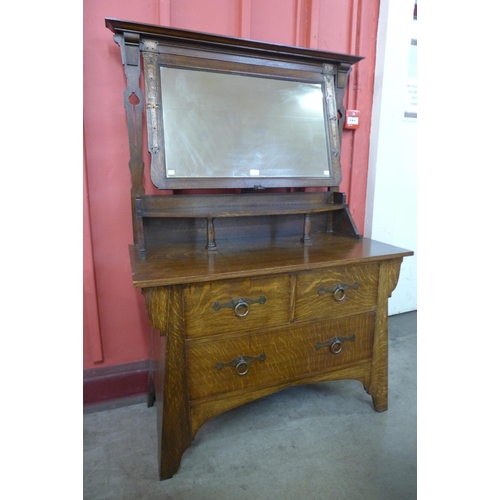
x: 391, y: 208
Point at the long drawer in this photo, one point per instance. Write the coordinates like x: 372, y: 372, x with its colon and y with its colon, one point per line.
x: 339, y: 291
x: 277, y: 355
x: 236, y: 305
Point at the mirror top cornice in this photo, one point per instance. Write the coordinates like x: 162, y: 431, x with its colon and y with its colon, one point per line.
x: 226, y: 43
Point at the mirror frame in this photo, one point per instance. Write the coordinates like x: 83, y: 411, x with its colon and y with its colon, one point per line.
x: 161, y: 46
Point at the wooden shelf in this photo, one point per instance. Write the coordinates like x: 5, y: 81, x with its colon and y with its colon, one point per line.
x: 184, y: 208
x: 246, y: 211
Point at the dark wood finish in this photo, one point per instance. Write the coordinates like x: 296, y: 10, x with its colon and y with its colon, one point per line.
x: 313, y: 209
x: 248, y: 292
x: 217, y: 43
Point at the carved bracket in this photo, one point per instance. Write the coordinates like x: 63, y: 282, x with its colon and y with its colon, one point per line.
x: 342, y: 74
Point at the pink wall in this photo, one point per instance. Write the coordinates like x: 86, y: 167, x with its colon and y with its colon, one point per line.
x: 116, y: 329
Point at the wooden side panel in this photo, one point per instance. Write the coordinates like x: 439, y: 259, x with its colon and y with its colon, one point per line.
x: 378, y: 388
x: 169, y: 378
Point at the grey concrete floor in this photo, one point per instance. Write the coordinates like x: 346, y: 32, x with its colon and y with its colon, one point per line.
x: 316, y: 442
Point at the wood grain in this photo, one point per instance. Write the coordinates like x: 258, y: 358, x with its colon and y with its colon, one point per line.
x: 189, y: 263
x: 174, y: 430
x: 204, y: 409
x: 378, y: 386
x: 190, y: 389
x: 310, y: 305
x: 157, y: 306
x: 290, y: 352
x: 201, y: 319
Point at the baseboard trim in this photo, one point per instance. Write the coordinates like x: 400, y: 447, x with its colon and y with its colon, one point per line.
x: 107, y: 386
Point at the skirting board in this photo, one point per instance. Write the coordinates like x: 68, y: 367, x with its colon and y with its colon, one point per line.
x: 113, y: 386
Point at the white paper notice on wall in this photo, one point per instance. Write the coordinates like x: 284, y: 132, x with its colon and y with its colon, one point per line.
x: 411, y: 98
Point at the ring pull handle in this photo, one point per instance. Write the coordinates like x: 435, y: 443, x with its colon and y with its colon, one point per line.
x: 338, y: 290
x: 241, y: 364
x: 241, y: 309
x: 339, y: 293
x: 335, y: 343
x: 240, y: 305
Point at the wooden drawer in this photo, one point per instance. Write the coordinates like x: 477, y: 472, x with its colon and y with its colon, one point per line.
x: 235, y: 305
x: 328, y: 293
x: 289, y: 353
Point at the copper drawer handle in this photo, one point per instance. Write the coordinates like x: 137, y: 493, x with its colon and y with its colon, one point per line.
x: 338, y: 290
x: 240, y: 305
x: 335, y: 343
x: 241, y: 363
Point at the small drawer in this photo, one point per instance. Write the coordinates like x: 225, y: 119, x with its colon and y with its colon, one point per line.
x: 328, y: 293
x: 276, y: 356
x: 235, y: 305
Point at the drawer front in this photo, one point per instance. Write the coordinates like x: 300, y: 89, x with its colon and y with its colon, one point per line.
x: 277, y: 356
x: 327, y: 293
x: 235, y: 305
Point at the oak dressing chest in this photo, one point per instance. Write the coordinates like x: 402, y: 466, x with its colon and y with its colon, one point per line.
x: 254, y: 275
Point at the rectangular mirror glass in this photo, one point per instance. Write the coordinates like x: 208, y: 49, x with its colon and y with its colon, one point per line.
x: 232, y: 126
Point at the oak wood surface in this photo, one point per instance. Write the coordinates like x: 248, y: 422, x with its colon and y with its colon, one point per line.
x: 202, y: 320
x: 189, y: 387
x: 190, y: 263
x: 174, y: 427
x: 290, y: 352
x: 311, y: 305
x: 378, y: 386
x: 204, y: 409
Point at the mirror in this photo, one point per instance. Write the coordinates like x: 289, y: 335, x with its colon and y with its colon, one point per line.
x: 221, y: 125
